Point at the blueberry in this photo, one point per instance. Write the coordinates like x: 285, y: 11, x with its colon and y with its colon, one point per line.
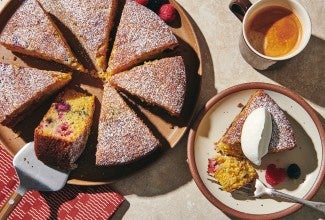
x: 156, y: 4
x: 293, y: 171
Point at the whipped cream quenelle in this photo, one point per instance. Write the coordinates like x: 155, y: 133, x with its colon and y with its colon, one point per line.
x: 256, y: 135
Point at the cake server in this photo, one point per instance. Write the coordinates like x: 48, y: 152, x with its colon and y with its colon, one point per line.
x: 33, y: 174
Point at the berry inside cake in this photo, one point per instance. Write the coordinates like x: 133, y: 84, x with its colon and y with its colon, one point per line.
x: 62, y: 134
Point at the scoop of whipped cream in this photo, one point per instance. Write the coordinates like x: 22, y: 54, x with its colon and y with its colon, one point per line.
x: 256, y: 135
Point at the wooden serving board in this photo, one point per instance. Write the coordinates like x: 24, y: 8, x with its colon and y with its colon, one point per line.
x: 169, y: 130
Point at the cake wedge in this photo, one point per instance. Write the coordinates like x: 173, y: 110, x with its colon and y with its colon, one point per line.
x: 31, y: 31
x: 22, y: 88
x: 229, y: 166
x: 161, y: 82
x: 61, y: 136
x: 122, y: 136
x: 141, y: 35
x: 91, y: 23
x: 282, y: 137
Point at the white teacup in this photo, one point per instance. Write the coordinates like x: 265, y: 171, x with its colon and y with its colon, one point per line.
x: 262, y: 25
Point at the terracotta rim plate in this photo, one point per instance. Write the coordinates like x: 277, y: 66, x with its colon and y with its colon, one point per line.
x: 168, y: 130
x: 309, y: 154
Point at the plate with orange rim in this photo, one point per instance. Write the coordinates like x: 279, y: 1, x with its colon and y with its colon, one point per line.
x: 309, y: 155
x: 169, y: 130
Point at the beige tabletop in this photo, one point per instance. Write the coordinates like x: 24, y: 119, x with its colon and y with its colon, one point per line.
x: 165, y: 189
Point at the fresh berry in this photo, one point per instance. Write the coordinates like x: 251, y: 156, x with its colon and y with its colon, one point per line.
x: 212, y: 166
x: 293, y: 171
x: 167, y: 12
x: 62, y: 106
x: 156, y: 4
x: 142, y: 2
x: 274, y: 175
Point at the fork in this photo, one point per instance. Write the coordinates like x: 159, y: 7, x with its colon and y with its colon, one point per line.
x: 258, y: 189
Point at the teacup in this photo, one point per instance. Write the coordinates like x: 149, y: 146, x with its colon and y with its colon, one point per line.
x: 272, y: 30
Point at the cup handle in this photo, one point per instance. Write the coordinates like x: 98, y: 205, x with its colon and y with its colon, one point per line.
x: 239, y: 8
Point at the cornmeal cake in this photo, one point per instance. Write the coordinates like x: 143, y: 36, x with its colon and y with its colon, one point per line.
x: 141, y: 35
x: 161, y: 82
x: 62, y: 135
x: 229, y: 166
x: 122, y: 135
x: 90, y: 21
x: 21, y: 88
x: 31, y: 31
x: 282, y: 137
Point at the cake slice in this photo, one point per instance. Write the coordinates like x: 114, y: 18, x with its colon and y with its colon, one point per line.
x: 229, y: 166
x: 21, y: 88
x: 61, y: 136
x: 31, y: 31
x: 231, y: 172
x: 91, y: 22
x: 122, y: 135
x: 161, y: 82
x: 282, y: 137
x: 141, y: 35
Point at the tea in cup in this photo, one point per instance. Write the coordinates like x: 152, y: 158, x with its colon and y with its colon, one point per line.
x: 273, y: 30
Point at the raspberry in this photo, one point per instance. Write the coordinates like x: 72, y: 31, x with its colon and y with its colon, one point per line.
x: 274, y: 175
x: 142, y: 2
x: 62, y: 106
x: 167, y: 12
x: 293, y: 171
x: 64, y: 129
x: 156, y: 4
x: 212, y: 166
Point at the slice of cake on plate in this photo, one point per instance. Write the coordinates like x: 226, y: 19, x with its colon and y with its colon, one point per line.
x: 282, y: 137
x: 230, y: 167
x: 122, y: 135
x: 161, y: 82
x: 31, y: 31
x: 61, y: 136
x: 141, y: 35
x: 21, y: 88
x: 90, y: 21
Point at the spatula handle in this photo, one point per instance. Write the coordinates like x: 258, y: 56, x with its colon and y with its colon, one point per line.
x: 10, y: 204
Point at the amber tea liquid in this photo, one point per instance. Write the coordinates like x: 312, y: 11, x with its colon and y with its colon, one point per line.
x: 275, y: 31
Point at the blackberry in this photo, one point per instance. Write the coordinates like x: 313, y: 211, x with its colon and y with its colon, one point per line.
x: 156, y: 4
x: 293, y: 171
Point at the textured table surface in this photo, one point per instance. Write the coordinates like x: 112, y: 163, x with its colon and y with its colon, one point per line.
x: 165, y: 189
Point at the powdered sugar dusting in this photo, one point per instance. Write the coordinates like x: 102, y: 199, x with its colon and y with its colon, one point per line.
x: 18, y: 86
x: 29, y: 29
x: 122, y: 136
x: 162, y: 82
x: 140, y: 32
x: 91, y: 21
x: 282, y: 137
